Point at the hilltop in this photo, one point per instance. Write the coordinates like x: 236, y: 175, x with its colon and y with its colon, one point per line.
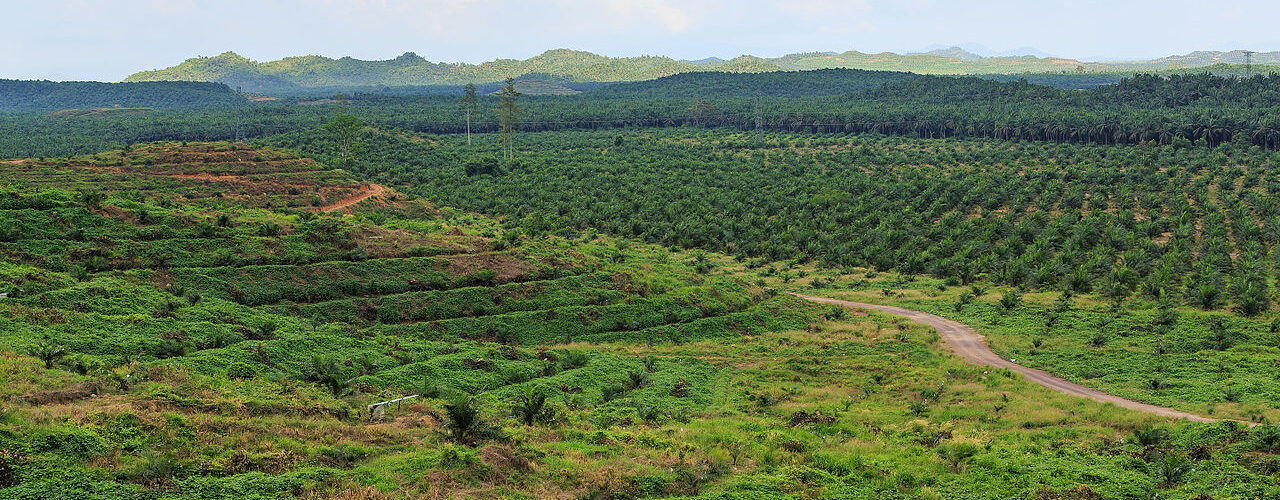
x: 296, y: 74
x: 1211, y: 57
x: 317, y: 73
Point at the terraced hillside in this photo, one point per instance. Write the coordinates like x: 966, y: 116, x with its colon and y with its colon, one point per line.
x: 212, y: 320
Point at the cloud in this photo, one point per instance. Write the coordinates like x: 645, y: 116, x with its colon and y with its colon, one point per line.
x: 833, y: 18
x: 633, y: 14
x: 827, y: 9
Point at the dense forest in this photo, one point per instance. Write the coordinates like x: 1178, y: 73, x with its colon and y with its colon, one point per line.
x: 24, y: 95
x: 709, y: 85
x: 1173, y: 109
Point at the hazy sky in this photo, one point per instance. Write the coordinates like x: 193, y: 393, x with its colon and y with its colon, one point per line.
x: 107, y: 40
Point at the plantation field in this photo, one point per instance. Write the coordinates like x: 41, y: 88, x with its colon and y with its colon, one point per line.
x: 171, y: 311
x: 616, y: 290
x: 1211, y: 107
x: 213, y: 319
x: 185, y: 327
x: 1195, y: 224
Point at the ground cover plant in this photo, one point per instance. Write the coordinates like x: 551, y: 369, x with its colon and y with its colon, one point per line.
x: 602, y: 314
x: 167, y: 307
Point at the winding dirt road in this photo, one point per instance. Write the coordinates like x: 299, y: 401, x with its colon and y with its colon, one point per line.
x: 972, y: 347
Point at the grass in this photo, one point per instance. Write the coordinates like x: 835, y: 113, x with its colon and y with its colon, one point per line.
x: 1119, y: 351
x: 864, y: 406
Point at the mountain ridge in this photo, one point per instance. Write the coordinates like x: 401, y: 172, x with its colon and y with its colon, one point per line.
x: 299, y: 73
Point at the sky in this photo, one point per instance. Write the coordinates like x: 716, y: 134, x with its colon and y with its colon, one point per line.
x: 107, y: 40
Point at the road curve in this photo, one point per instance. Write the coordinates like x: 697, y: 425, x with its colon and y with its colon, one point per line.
x: 972, y: 347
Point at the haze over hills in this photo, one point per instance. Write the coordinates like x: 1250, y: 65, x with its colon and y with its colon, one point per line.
x: 984, y: 51
x: 1206, y: 58
x: 298, y: 74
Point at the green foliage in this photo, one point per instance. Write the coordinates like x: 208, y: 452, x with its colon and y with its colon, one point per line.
x: 925, y: 186
x: 329, y: 373
x: 574, y: 359
x: 344, y: 130
x: 691, y: 392
x: 957, y: 455
x: 636, y: 379
x: 531, y: 407
x: 48, y: 351
x: 1170, y: 468
x: 464, y: 423
x: 1010, y: 300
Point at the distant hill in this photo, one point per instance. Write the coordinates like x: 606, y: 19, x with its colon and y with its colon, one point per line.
x: 953, y: 61
x: 1207, y: 58
x: 317, y: 74
x: 980, y: 50
x: 299, y: 74
x: 705, y: 60
x: 100, y: 98
x: 293, y: 73
x: 953, y: 52
x: 712, y: 84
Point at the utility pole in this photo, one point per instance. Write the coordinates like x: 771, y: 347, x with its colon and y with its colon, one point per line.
x: 1248, y: 63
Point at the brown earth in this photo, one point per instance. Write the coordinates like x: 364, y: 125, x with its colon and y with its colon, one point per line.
x: 365, y: 192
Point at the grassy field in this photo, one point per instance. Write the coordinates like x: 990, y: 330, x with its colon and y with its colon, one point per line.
x: 1209, y: 362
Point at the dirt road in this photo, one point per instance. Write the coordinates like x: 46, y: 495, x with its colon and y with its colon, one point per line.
x: 972, y: 347
x: 365, y: 192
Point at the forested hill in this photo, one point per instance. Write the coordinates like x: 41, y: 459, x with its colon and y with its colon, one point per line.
x: 295, y: 74
x: 775, y: 84
x: 28, y: 95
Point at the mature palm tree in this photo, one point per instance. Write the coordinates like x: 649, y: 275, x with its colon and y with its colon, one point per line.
x: 508, y: 116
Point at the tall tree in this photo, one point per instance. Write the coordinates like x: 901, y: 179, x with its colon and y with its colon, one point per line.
x: 344, y: 128
x: 467, y: 104
x: 508, y: 116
